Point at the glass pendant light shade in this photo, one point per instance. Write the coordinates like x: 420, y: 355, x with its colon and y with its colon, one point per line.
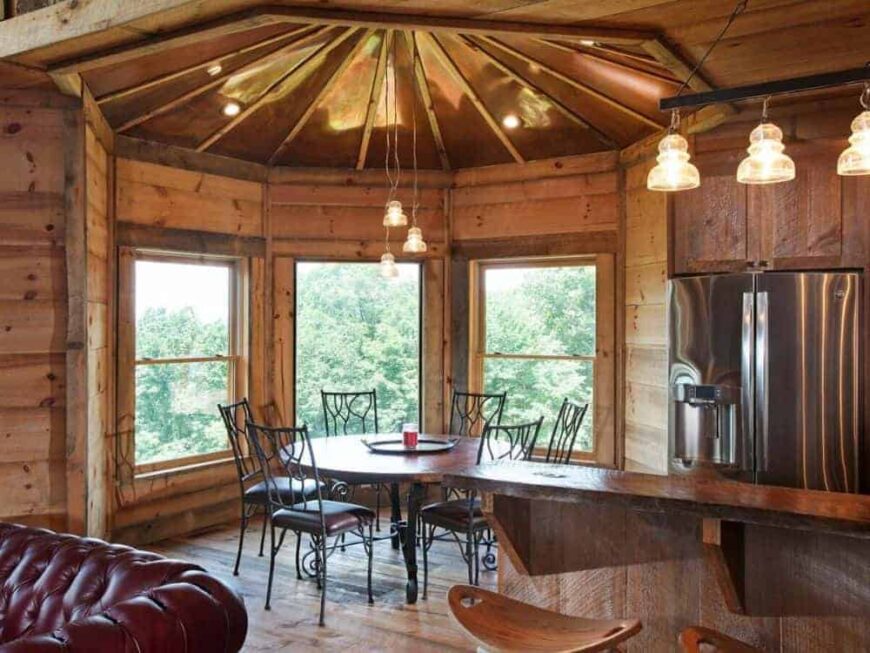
x: 767, y: 162
x: 673, y: 171
x: 855, y: 159
x: 415, y: 243
x: 388, y: 266
x: 394, y: 216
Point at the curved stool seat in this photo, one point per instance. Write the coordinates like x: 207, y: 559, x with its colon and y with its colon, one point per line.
x: 692, y: 638
x: 498, y: 623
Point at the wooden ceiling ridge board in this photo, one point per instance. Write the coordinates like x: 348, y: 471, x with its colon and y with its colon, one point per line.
x: 570, y: 81
x: 422, y: 85
x: 205, y: 65
x: 435, y: 24
x: 448, y: 63
x: 327, y: 86
x: 534, y: 88
x: 374, y: 96
x: 220, y: 79
x: 157, y: 43
x: 301, y: 67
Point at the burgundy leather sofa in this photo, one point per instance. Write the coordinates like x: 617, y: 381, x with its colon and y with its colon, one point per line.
x: 65, y: 593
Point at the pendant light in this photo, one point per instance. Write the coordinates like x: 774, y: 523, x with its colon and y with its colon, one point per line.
x: 394, y: 215
x: 414, y: 244
x: 767, y: 162
x: 389, y: 270
x: 855, y: 159
x: 673, y: 171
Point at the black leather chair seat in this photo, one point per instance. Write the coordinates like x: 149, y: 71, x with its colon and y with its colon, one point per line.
x: 291, y: 490
x: 338, y: 517
x: 454, y: 515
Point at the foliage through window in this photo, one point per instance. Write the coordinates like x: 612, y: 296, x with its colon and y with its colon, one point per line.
x: 536, y: 339
x: 356, y: 331
x: 185, y: 355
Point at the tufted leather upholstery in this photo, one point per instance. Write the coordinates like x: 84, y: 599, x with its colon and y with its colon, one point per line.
x: 65, y: 593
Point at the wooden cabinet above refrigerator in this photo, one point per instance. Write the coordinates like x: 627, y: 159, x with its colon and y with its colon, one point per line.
x: 817, y: 221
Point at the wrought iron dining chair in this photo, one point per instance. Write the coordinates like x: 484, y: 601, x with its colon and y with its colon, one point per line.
x: 470, y: 412
x: 565, y: 431
x: 252, y: 486
x: 290, y: 450
x: 353, y: 413
x: 515, y: 442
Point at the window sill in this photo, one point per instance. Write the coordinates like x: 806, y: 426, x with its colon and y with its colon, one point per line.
x: 182, y: 469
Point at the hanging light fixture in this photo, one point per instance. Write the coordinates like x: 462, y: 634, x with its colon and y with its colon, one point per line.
x: 394, y: 215
x: 855, y: 159
x: 414, y: 244
x: 673, y: 171
x: 767, y: 162
x: 389, y: 269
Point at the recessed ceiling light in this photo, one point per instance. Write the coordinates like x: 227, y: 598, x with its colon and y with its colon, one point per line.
x: 510, y: 121
x: 588, y: 43
x: 215, y: 70
x: 231, y: 109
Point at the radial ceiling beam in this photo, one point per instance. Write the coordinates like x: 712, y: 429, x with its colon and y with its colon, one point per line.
x: 205, y: 65
x: 445, y: 60
x: 374, y: 97
x: 523, y: 81
x: 590, y: 52
x: 302, y: 67
x: 570, y: 81
x: 324, y: 89
x: 659, y: 50
x: 220, y: 79
x: 426, y: 97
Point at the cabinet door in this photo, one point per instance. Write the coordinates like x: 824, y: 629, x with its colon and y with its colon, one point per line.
x: 800, y: 222
x: 709, y: 222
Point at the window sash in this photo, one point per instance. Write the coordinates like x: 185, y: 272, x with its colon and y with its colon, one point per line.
x: 233, y: 357
x: 478, y: 342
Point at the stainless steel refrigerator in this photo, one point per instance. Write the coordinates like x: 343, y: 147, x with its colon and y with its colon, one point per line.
x: 765, y: 378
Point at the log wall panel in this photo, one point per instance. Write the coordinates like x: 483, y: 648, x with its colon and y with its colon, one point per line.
x: 156, y: 195
x: 33, y: 309
x: 646, y: 360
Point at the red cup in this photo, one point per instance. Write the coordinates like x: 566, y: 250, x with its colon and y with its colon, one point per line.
x: 410, y: 435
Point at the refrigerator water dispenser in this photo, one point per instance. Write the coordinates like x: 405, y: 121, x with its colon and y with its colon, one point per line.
x: 706, y: 424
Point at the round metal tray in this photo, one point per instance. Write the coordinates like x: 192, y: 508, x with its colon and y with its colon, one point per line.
x: 397, y: 447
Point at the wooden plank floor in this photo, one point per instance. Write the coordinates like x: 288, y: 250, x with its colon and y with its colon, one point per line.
x: 351, y: 624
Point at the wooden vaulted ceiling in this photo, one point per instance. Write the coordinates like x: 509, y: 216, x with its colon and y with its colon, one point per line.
x: 582, y: 75
x: 315, y: 95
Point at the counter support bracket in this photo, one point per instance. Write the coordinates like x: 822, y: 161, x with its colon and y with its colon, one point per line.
x: 724, y: 553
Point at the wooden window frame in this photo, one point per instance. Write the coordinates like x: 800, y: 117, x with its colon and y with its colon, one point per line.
x: 603, y: 362
x: 237, y: 357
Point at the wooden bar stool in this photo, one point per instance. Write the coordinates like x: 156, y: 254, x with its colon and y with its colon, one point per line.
x: 498, y: 623
x: 692, y: 638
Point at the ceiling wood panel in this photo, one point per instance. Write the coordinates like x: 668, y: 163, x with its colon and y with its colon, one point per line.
x: 147, y: 64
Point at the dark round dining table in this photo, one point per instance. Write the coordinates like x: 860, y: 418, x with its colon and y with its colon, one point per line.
x: 346, y: 458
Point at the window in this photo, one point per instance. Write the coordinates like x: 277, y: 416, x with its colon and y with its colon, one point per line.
x: 356, y: 331
x: 186, y: 356
x: 536, y: 334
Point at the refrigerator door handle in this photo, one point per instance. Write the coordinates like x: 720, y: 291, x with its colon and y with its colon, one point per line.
x: 747, y: 381
x: 762, y: 328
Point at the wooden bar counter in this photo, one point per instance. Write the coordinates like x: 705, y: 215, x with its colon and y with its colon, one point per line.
x: 782, y: 569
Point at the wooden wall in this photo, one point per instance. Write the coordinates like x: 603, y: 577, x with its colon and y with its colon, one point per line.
x: 646, y: 356
x: 558, y: 207
x: 33, y: 308
x: 175, y: 209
